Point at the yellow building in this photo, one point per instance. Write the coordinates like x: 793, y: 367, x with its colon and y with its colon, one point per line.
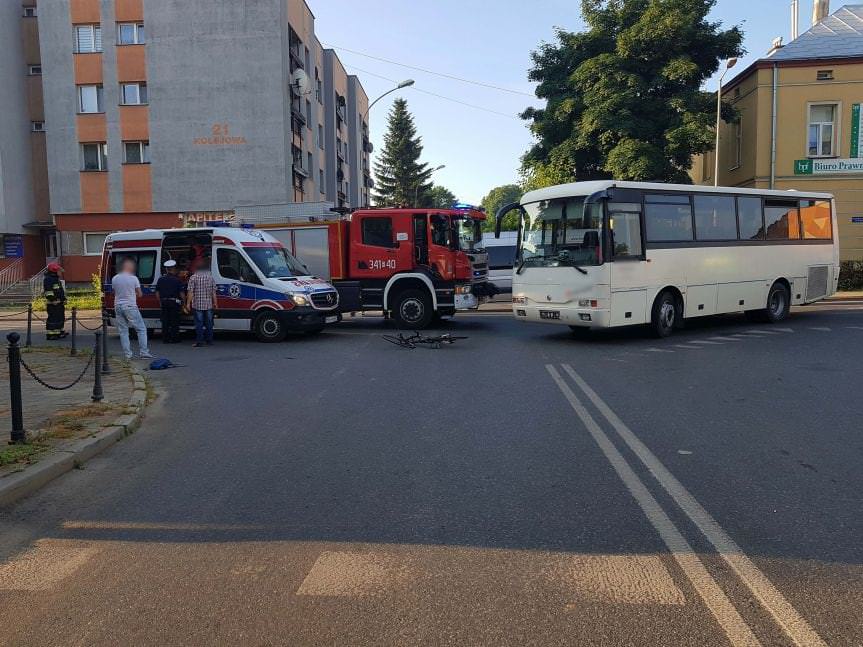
x: 801, y: 122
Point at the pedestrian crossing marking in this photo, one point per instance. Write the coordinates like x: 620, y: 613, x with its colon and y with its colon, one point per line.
x: 705, y: 341
x: 784, y: 329
x: 762, y: 332
x: 821, y: 328
x: 620, y: 579
x: 723, y: 339
x: 685, y: 347
x: 44, y: 566
x: 354, y: 574
x: 658, y: 350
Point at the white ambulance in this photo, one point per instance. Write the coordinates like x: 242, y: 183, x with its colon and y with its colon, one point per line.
x: 262, y: 288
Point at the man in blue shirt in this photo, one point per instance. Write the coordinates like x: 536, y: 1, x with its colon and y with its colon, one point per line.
x: 171, y: 293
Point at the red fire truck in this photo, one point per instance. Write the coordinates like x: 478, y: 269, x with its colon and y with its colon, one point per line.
x: 414, y: 264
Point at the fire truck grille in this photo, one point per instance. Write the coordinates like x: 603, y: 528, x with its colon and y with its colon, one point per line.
x: 325, y: 300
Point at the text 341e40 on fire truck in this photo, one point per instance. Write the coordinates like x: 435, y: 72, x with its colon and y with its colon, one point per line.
x: 261, y: 287
x: 414, y: 264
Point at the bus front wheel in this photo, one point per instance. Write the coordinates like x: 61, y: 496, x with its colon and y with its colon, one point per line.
x: 665, y: 315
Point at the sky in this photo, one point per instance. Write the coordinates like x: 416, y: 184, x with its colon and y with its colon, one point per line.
x: 488, y: 42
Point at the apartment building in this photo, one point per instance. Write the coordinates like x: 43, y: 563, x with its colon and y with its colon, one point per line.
x: 800, y: 122
x: 158, y: 113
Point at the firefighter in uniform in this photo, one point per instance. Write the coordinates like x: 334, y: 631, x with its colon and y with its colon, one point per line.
x: 55, y: 297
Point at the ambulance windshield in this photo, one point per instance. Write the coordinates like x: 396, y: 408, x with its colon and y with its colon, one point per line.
x: 276, y: 262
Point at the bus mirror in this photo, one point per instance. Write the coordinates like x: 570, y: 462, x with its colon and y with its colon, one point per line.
x: 500, y: 214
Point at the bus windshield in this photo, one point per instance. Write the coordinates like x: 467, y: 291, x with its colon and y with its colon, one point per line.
x: 468, y: 233
x: 276, y: 262
x: 562, y: 232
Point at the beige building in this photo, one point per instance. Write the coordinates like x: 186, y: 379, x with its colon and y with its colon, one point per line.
x: 801, y: 122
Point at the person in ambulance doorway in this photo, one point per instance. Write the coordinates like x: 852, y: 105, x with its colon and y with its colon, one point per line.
x: 172, y: 294
x: 55, y: 298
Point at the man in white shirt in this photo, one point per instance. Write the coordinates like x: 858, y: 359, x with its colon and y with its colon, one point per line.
x: 127, y: 289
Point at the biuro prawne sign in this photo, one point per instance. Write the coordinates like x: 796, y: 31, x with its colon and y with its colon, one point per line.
x: 827, y: 166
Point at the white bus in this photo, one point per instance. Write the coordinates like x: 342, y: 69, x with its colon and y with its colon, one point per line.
x: 607, y: 253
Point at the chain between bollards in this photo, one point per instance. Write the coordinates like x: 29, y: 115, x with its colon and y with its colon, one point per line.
x: 74, y: 350
x: 18, y: 434
x: 106, y: 369
x: 98, y: 395
x: 29, y: 340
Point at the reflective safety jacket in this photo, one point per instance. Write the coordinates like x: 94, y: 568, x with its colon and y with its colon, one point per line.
x: 53, y: 289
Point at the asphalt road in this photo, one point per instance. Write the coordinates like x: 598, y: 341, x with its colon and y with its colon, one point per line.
x: 523, y: 487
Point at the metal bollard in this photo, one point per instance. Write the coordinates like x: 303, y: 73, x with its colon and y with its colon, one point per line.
x: 98, y: 395
x: 18, y: 434
x: 74, y: 350
x: 106, y: 369
x: 29, y: 341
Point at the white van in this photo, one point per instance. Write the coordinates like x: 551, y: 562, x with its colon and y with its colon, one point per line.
x: 261, y: 287
x: 501, y: 258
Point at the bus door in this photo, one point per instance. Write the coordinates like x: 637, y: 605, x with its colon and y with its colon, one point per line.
x: 629, y: 278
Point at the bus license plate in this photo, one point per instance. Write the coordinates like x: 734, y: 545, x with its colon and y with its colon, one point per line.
x: 333, y: 319
x: 549, y: 314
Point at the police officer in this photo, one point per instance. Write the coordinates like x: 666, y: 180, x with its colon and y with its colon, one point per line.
x: 171, y: 293
x: 55, y: 298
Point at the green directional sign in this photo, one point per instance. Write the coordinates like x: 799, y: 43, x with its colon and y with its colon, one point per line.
x: 856, y: 131
x: 803, y: 167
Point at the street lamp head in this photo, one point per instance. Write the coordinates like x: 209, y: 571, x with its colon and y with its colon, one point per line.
x: 731, y: 63
x: 405, y: 84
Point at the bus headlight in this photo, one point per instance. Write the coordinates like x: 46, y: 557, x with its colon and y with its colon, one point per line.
x: 519, y: 300
x: 299, y: 300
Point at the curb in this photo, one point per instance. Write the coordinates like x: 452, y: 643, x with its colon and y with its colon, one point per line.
x: 20, y: 484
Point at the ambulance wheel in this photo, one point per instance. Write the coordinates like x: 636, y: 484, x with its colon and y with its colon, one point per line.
x: 413, y: 309
x: 269, y: 328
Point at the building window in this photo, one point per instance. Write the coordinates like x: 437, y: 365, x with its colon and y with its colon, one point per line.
x: 822, y: 129
x: 309, y: 113
x: 94, y: 242
x: 88, y: 39
x: 309, y: 160
x: 90, y: 99
x: 133, y: 94
x: 30, y: 12
x: 824, y: 75
x: 130, y: 33
x: 94, y: 157
x: 321, y: 176
x: 737, y: 142
x: 136, y: 152
x: 37, y: 126
x: 34, y: 70
x: 320, y: 137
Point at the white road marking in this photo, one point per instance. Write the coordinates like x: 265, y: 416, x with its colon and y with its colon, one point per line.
x: 723, y: 338
x: 747, y: 336
x: 784, y: 329
x: 855, y: 327
x: 658, y: 350
x: 705, y: 341
x: 762, y: 332
x: 684, y: 346
x: 720, y: 606
x: 786, y: 616
x: 821, y: 328
x: 44, y: 566
x: 618, y: 579
x: 353, y: 574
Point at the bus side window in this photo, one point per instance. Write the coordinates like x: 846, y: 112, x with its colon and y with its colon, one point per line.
x: 626, y: 235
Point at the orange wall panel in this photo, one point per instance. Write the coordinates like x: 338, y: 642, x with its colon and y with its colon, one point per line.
x: 84, y: 11
x: 134, y: 123
x: 92, y: 128
x: 117, y: 221
x: 129, y: 10
x: 88, y: 68
x: 131, y: 65
x: 137, y: 191
x: 94, y: 191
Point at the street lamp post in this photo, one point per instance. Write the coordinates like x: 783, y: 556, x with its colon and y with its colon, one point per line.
x: 731, y: 62
x: 417, y: 187
x: 404, y: 84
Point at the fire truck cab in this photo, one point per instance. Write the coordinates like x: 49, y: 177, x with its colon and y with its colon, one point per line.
x: 414, y: 264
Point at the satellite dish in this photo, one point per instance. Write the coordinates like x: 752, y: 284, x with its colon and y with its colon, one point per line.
x: 300, y: 82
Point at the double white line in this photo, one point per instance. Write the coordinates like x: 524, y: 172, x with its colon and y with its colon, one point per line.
x: 738, y: 632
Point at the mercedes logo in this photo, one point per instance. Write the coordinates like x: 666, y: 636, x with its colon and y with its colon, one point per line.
x: 331, y: 298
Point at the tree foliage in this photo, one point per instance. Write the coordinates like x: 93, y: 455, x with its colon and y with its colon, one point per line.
x: 498, y: 197
x: 439, y: 197
x: 402, y: 179
x: 624, y: 97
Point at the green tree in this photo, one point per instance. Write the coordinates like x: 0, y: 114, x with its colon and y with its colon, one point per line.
x: 624, y: 98
x: 498, y: 197
x: 401, y: 178
x: 439, y: 197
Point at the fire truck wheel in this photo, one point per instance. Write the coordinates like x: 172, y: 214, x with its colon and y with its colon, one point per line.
x: 269, y: 328
x: 413, y: 309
